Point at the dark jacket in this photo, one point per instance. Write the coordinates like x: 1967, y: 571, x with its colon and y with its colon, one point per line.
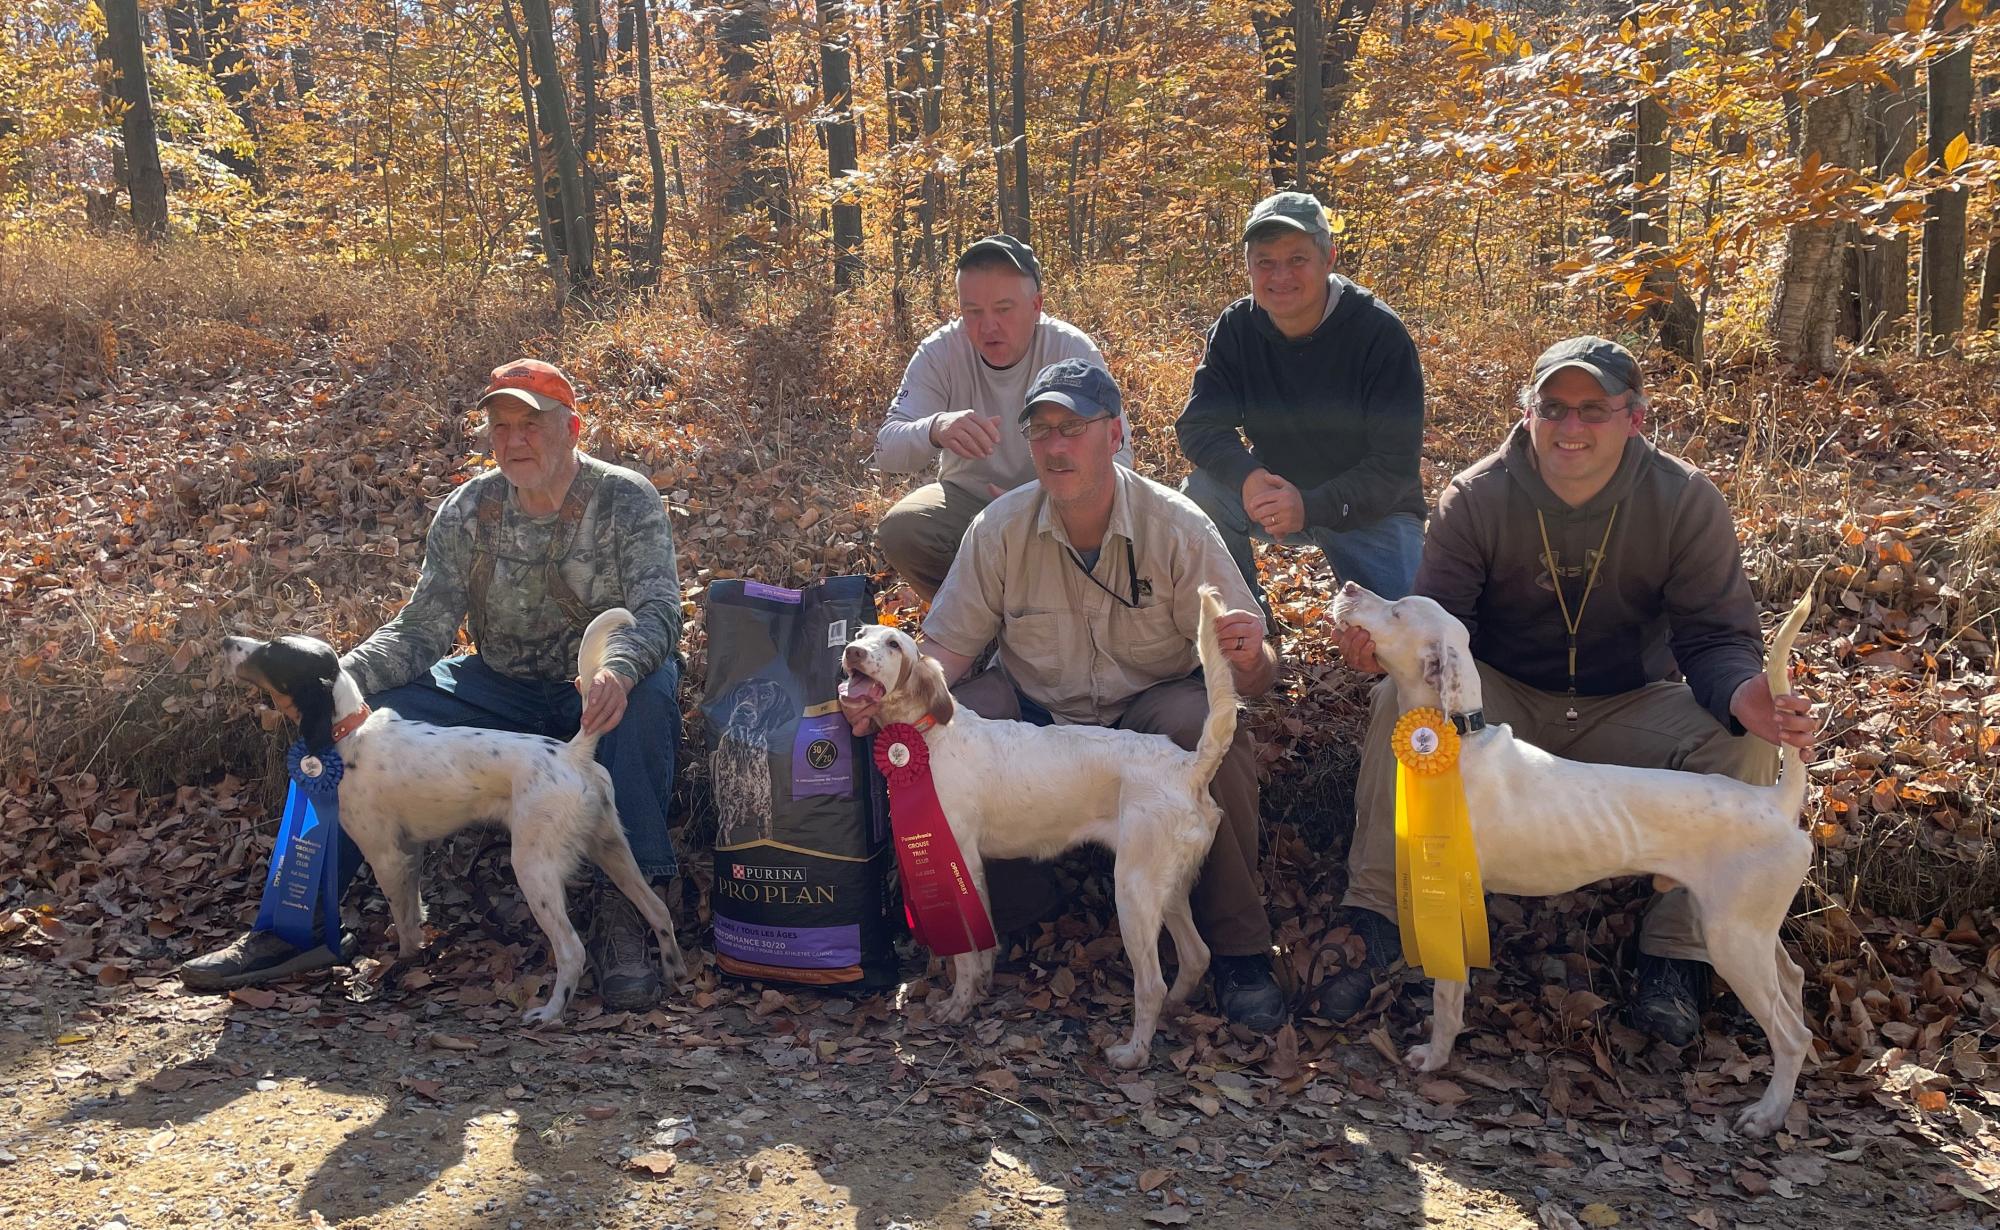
x: 1339, y: 413
x: 1671, y: 591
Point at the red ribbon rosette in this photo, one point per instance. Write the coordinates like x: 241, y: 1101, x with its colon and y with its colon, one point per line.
x: 944, y: 909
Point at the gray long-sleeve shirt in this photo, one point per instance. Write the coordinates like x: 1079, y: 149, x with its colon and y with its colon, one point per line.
x: 947, y: 374
x: 622, y: 555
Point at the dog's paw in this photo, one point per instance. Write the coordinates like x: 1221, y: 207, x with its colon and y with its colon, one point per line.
x: 954, y: 1010
x: 536, y: 1018
x: 1128, y: 1056
x: 1426, y: 1058
x: 1758, y: 1121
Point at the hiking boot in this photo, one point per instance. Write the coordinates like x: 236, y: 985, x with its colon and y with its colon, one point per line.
x: 621, y: 951
x: 257, y: 957
x: 1670, y: 998
x: 1248, y: 994
x: 1347, y: 992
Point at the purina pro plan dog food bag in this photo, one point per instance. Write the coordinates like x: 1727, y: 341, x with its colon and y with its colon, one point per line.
x: 802, y: 847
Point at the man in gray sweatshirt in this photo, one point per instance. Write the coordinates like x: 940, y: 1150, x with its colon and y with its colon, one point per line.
x: 957, y: 404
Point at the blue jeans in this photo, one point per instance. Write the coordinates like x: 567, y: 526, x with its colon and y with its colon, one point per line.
x: 639, y: 751
x: 1381, y: 556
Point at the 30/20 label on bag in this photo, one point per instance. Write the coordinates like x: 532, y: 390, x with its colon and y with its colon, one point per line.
x: 836, y: 634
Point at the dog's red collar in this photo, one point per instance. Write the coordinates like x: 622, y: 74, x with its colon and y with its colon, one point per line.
x: 924, y: 724
x: 349, y: 724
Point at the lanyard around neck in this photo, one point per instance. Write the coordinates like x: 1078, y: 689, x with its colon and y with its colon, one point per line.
x: 1131, y: 574
x: 1572, y: 622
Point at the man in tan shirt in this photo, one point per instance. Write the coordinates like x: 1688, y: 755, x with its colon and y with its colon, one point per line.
x: 1089, y: 581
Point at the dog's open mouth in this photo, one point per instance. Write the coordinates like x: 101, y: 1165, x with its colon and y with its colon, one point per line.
x: 860, y: 688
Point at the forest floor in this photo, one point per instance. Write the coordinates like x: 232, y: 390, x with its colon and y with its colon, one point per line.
x: 248, y: 445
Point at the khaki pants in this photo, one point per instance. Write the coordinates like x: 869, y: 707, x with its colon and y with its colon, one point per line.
x: 919, y: 536
x: 1228, y: 896
x: 1658, y: 726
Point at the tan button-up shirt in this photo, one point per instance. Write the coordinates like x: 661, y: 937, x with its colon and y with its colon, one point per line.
x: 1073, y: 640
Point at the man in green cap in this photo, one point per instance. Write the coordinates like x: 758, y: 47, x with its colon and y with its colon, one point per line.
x: 1591, y: 569
x: 1308, y: 410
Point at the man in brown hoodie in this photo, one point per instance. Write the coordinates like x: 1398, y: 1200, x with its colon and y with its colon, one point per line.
x: 1595, y: 574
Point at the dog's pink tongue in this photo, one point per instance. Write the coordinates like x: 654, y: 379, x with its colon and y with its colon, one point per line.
x: 860, y: 688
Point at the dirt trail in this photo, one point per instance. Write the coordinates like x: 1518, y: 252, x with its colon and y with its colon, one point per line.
x: 144, y: 1106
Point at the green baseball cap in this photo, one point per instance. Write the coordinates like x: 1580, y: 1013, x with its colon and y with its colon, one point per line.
x: 1298, y: 211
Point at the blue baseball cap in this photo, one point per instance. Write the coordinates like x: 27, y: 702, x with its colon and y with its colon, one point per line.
x: 1077, y: 385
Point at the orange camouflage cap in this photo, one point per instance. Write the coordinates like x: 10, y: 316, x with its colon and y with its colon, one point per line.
x: 538, y: 385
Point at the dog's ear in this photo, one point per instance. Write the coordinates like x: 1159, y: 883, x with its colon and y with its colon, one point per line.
x: 925, y: 680
x: 1441, y: 672
x: 315, y: 705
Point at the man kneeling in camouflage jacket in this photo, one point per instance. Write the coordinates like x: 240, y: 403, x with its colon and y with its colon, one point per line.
x: 526, y: 554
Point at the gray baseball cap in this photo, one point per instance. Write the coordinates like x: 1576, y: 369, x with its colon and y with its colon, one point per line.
x: 1009, y: 249
x: 1078, y: 385
x: 1613, y: 365
x: 1298, y: 211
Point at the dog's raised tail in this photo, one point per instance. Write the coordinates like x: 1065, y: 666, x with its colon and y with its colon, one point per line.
x: 1777, y: 671
x: 1221, y: 725
x: 591, y: 656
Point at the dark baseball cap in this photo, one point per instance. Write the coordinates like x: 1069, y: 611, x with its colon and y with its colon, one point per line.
x: 1009, y: 249
x: 1613, y: 365
x: 1298, y: 211
x: 1078, y: 385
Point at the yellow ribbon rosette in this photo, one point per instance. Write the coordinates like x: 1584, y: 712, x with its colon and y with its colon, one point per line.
x: 1440, y: 907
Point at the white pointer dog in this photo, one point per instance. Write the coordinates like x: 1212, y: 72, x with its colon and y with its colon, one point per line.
x: 1545, y: 825
x: 1014, y: 790
x: 408, y: 783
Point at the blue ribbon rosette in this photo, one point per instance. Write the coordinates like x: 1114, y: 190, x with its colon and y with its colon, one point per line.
x: 304, y: 879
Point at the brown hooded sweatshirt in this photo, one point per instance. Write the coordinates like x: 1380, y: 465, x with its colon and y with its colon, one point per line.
x: 1671, y: 593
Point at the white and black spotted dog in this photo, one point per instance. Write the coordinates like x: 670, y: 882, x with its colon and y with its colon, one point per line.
x: 408, y: 783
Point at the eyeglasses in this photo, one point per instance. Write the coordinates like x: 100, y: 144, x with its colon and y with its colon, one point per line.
x: 1592, y: 412
x: 1068, y: 429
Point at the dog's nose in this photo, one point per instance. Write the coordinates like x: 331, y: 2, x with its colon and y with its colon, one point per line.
x: 851, y: 655
x: 1351, y: 590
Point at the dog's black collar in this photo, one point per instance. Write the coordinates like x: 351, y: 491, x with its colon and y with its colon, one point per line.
x: 1469, y: 723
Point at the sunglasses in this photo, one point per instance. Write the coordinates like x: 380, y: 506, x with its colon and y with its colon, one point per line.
x: 1592, y: 412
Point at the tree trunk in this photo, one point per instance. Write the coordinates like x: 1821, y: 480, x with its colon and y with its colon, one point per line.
x: 656, y: 227
x: 1806, y: 307
x: 1885, y: 260
x: 1308, y: 93
x: 1941, y: 268
x: 753, y: 151
x: 234, y: 72
x: 1002, y: 199
x: 1098, y: 15
x: 1018, y: 223
x: 1277, y: 44
x: 1343, y: 43
x: 547, y: 202
x: 187, y: 33
x: 1989, y: 282
x: 928, y: 250
x: 837, y: 87
x: 552, y: 111
x: 1673, y: 313
x: 125, y: 51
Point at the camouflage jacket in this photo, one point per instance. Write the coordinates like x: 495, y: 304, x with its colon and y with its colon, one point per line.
x: 622, y: 554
